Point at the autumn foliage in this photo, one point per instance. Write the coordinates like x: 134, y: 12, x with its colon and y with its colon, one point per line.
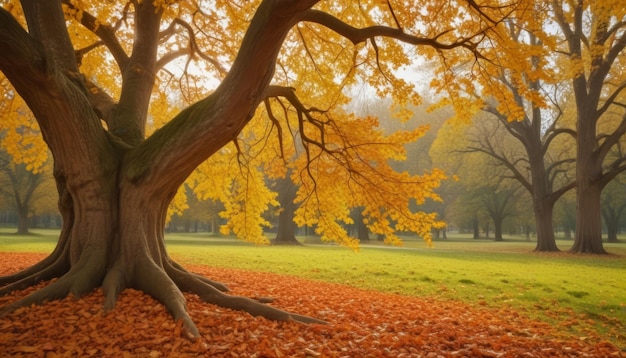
x: 362, y: 324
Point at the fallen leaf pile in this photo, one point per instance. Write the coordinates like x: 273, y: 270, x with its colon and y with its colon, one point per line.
x: 362, y: 324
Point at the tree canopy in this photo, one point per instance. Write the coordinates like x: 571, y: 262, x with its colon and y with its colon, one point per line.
x: 134, y: 98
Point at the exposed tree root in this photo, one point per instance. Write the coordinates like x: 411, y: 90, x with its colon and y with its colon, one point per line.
x: 78, y: 281
x: 166, y: 284
x: 210, y: 294
x: 54, y: 265
x: 33, y: 275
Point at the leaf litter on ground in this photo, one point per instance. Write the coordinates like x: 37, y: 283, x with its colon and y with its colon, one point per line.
x: 362, y: 324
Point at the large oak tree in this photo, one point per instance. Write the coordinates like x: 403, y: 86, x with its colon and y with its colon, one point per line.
x: 116, y: 178
x: 594, y: 39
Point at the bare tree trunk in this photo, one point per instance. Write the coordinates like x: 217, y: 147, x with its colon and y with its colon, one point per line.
x: 588, y: 237
x: 498, y: 230
x: 589, y: 187
x: 22, y: 222
x: 286, y: 226
x: 363, y: 232
x: 476, y: 228
x: 545, y: 227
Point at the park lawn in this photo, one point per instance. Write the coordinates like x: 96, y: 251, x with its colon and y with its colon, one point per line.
x: 583, y: 294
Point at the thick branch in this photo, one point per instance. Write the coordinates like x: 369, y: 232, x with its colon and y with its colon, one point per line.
x: 169, y: 155
x: 46, y: 23
x: 612, y: 139
x: 56, y: 101
x: 356, y: 35
x: 105, y: 32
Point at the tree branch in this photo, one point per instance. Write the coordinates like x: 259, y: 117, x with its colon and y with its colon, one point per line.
x: 104, y: 32
x: 356, y: 35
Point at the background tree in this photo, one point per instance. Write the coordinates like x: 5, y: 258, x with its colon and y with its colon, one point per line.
x: 23, y: 159
x: 286, y: 229
x: 18, y: 186
x: 499, y: 201
x: 94, y: 93
x: 519, y: 90
x: 613, y: 206
x: 593, y: 45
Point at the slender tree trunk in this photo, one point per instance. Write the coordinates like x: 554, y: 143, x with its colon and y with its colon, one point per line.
x: 498, y: 229
x: 612, y: 219
x: 363, y: 232
x: 612, y: 232
x: 476, y: 228
x: 567, y: 232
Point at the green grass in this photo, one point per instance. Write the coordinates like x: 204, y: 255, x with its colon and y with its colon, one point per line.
x: 556, y: 288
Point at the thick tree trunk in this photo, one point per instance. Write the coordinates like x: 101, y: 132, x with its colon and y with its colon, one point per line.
x: 588, y: 238
x: 22, y: 222
x: 546, y: 241
x: 589, y: 187
x: 363, y: 233
x: 286, y: 227
x: 286, y: 234
x: 113, y: 197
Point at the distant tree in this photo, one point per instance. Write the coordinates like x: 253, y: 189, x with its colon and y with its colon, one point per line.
x: 286, y: 230
x: 614, y: 207
x: 20, y: 188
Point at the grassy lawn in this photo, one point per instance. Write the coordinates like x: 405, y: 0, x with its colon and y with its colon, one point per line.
x: 578, y: 292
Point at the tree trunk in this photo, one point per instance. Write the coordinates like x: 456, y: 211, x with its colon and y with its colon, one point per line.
x: 114, y: 191
x: 612, y: 219
x: 22, y: 221
x: 286, y: 226
x: 567, y: 232
x: 498, y: 229
x: 588, y: 238
x: 363, y: 232
x: 476, y: 228
x: 589, y: 187
x: 612, y: 232
x: 546, y: 241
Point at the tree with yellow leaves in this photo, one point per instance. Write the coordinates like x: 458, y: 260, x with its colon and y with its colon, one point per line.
x: 594, y: 39
x: 99, y: 78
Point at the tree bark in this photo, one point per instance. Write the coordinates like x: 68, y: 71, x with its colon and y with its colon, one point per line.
x: 114, y: 189
x: 22, y: 223
x: 546, y: 241
x: 612, y: 219
x: 497, y: 223
x: 475, y: 228
x: 588, y: 238
x: 363, y: 232
x: 286, y: 226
